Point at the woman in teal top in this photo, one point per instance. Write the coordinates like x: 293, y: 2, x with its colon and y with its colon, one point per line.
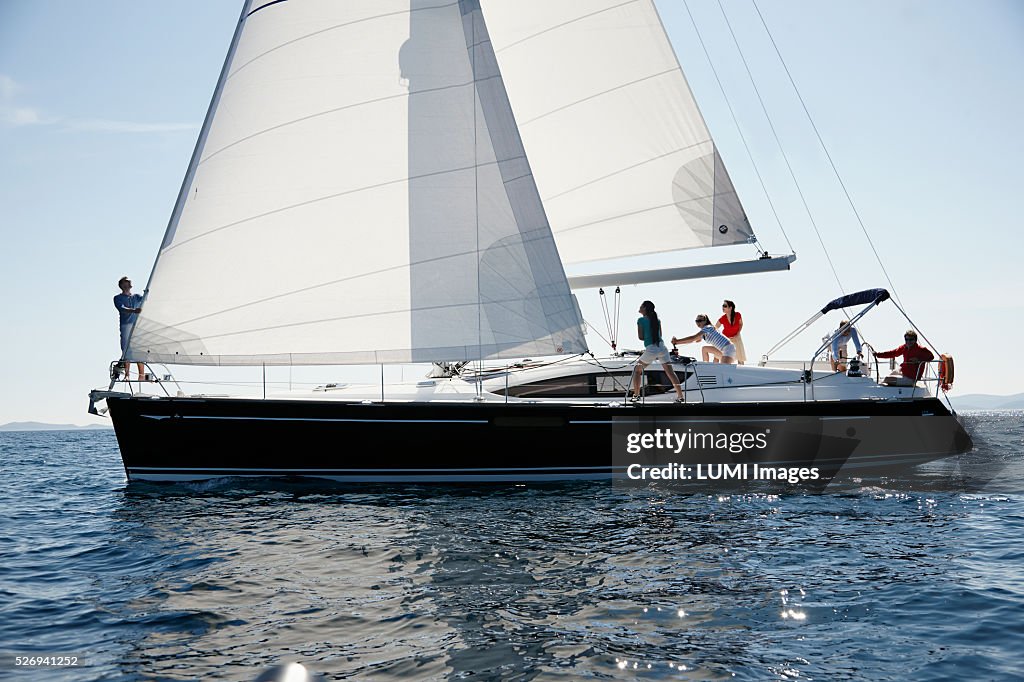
x: 648, y: 330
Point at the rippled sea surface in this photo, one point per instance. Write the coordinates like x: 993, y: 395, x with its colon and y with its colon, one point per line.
x: 920, y: 577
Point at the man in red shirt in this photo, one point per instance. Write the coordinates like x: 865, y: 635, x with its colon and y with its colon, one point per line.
x: 914, y: 359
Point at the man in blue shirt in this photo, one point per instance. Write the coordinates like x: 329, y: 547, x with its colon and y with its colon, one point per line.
x: 128, y: 306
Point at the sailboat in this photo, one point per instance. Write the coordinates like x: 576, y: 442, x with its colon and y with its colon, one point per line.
x: 404, y: 181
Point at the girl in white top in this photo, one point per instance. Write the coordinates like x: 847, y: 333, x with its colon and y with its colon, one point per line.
x: 721, y: 347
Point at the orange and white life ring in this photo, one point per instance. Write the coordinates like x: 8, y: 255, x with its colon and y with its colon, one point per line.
x: 946, y: 371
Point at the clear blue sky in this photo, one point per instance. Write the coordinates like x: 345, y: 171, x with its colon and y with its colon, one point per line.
x: 920, y: 103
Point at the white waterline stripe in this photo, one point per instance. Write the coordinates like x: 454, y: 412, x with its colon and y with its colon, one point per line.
x: 467, y: 478
x: 323, y: 419
x: 435, y: 469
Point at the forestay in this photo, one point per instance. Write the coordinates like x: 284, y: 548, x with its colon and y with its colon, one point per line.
x: 623, y: 159
x: 359, y: 194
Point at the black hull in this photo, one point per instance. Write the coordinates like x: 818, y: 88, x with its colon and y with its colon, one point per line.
x: 181, y: 439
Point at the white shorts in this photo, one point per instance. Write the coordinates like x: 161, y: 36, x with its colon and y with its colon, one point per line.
x: 728, y: 352
x: 655, y: 353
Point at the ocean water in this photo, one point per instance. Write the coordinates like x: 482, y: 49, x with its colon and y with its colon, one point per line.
x: 919, y: 577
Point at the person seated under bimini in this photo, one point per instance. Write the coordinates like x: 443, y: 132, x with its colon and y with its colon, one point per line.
x: 915, y: 359
x: 840, y: 342
x: 721, y: 347
x: 648, y: 330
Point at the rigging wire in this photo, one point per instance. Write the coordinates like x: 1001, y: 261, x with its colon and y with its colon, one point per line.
x: 916, y: 328
x: 599, y: 334
x: 607, y: 318
x: 611, y: 319
x: 849, y: 199
x: 618, y: 309
x: 736, y: 122
x: 778, y: 142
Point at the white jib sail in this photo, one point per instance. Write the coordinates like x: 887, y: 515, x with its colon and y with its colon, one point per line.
x: 622, y: 157
x: 359, y: 194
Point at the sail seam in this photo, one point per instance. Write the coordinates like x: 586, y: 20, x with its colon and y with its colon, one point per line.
x: 628, y: 168
x: 518, y: 177
x: 397, y: 311
x: 637, y: 212
x: 541, y: 233
x: 327, y: 198
x: 598, y: 94
x: 328, y: 112
x: 567, y: 23
x: 337, y: 26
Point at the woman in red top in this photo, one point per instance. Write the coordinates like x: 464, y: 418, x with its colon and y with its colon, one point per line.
x: 731, y: 323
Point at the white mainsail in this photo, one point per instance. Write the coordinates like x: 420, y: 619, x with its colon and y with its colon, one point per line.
x: 359, y: 194
x: 622, y: 157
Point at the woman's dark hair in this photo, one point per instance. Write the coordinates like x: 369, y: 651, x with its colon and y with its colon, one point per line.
x: 732, y: 310
x: 652, y: 316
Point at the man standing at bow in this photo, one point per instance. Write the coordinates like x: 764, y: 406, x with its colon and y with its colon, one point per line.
x: 128, y: 307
